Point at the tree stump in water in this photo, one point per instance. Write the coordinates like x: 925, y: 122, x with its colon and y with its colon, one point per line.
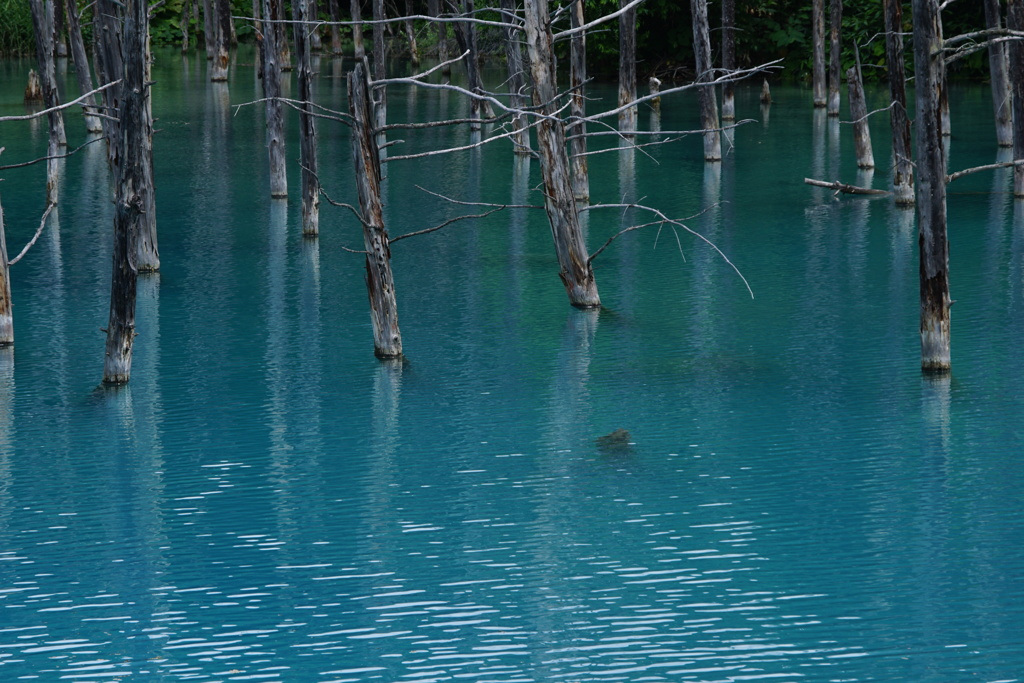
x: 34, y: 90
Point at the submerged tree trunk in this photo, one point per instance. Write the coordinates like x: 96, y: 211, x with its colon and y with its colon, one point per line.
x: 728, y: 57
x: 705, y: 94
x: 903, y: 167
x: 859, y: 114
x: 818, y: 47
x: 380, y: 284
x: 357, y: 29
x: 627, y: 69
x: 1015, y: 22
x: 274, y: 110
x: 575, y: 269
x: 516, y: 79
x: 998, y: 77
x: 6, y: 310
x: 931, y: 180
x: 577, y: 128
x: 835, y: 56
x: 307, y: 127
x: 82, y: 71
x: 147, y: 254
x: 109, y: 68
x: 222, y: 56
x: 130, y: 201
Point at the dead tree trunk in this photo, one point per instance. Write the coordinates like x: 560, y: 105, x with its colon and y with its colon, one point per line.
x: 109, y: 68
x: 82, y: 71
x: 130, y: 201
x: 998, y: 77
x: 728, y: 57
x: 465, y: 34
x: 627, y: 69
x: 835, y: 56
x: 316, y: 45
x: 516, y: 79
x: 335, y: 10
x: 434, y: 10
x: 380, y: 93
x: 222, y: 57
x: 706, y: 94
x: 410, y: 32
x: 209, y: 28
x: 930, y: 81
x: 903, y: 167
x: 574, y: 263
x: 357, y: 29
x: 1015, y: 22
x: 6, y: 309
x: 147, y: 255
x: 284, y: 54
x: 577, y: 128
x: 60, y: 46
x: 274, y: 110
x: 42, y: 21
x: 818, y: 46
x: 859, y: 114
x: 307, y: 127
x: 186, y: 8
x: 380, y: 284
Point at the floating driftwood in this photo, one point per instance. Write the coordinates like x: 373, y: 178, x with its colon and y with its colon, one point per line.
x: 844, y: 188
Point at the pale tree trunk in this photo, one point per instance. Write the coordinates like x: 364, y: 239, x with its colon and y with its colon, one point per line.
x: 130, y: 200
x: 6, y: 310
x: 859, y: 114
x: 380, y: 284
x: 357, y: 29
x: 42, y: 20
x: 1015, y: 22
x: 705, y: 94
x: 930, y: 82
x: 257, y: 25
x: 221, y: 57
x: 82, y: 71
x: 274, y: 109
x: 147, y: 255
x: 315, y: 43
x: 380, y: 92
x: 109, y: 68
x: 819, y: 85
x: 335, y: 29
x: 574, y: 262
x: 999, y: 79
x: 410, y: 32
x: 577, y: 128
x: 903, y: 167
x: 60, y: 46
x: 516, y: 79
x: 465, y: 33
x: 835, y: 56
x: 307, y: 127
x: 186, y: 8
x: 284, y: 55
x: 728, y: 57
x: 627, y: 69
x: 434, y: 10
x: 209, y: 28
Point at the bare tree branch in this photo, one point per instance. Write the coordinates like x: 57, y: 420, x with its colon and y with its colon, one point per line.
x: 39, y: 231
x: 55, y: 156
x: 464, y: 203
x: 561, y: 35
x: 987, y: 167
x: 444, y: 225
x: 844, y: 188
x: 44, y: 112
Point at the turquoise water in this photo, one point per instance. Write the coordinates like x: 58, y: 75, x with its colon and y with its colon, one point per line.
x: 266, y: 501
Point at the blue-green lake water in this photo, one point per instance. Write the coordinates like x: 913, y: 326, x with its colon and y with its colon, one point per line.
x: 267, y: 501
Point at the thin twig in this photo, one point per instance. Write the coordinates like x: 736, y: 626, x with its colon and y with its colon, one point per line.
x: 445, y: 224
x: 464, y: 203
x: 44, y: 112
x: 39, y: 231
x: 55, y: 156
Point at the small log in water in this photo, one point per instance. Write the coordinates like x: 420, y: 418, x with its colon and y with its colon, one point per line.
x: 274, y: 113
x: 819, y: 85
x: 859, y: 113
x: 130, y: 200
x: 997, y: 67
x: 6, y: 317
x: 930, y: 79
x: 222, y: 56
x: 380, y: 284
x: 844, y: 188
x: 82, y: 71
x: 578, y: 109
x: 307, y: 125
x: 705, y: 94
x: 516, y: 81
x: 728, y: 58
x: 627, y: 69
x: 899, y: 121
x: 1015, y: 22
x: 835, y: 56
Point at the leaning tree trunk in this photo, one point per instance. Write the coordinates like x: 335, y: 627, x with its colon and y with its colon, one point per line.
x: 6, y: 317
x: 998, y: 77
x: 109, y: 68
x: 627, y: 69
x: 130, y: 200
x: 380, y: 284
x: 516, y: 79
x: 357, y: 29
x: 818, y: 47
x: 835, y: 56
x: 274, y: 110
x: 903, y: 167
x: 307, y: 128
x: 1015, y: 22
x: 705, y: 94
x: 930, y: 79
x: 577, y: 129
x: 222, y: 57
x: 859, y: 114
x: 728, y: 58
x: 575, y: 269
x: 82, y: 71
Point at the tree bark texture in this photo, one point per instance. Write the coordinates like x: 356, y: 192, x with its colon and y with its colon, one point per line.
x: 903, y: 167
x: 819, y: 85
x: 627, y: 69
x: 931, y: 187
x: 6, y: 309
x: 859, y: 114
x: 577, y: 128
x: 355, y: 10
x: 222, y: 56
x: 130, y: 200
x: 110, y: 68
x: 42, y: 21
x: 516, y: 80
x: 380, y: 284
x: 1015, y: 22
x: 209, y: 28
x: 284, y: 54
x: 706, y: 94
x: 728, y: 58
x: 82, y: 70
x: 835, y: 55
x: 274, y: 110
x: 307, y: 126
x: 574, y: 263
x: 997, y: 62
